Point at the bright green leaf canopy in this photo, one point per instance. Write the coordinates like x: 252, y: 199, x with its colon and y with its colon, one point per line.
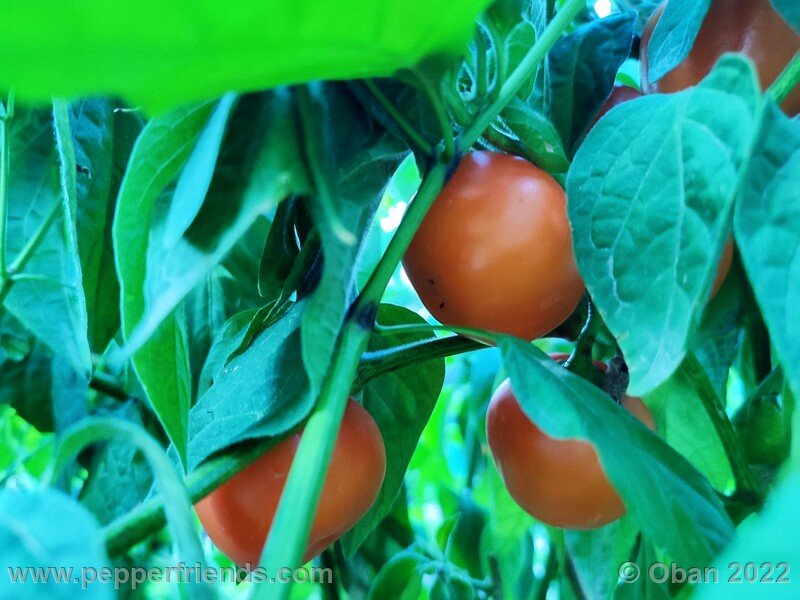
x: 160, y: 54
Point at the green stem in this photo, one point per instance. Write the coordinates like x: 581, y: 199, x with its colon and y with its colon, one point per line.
x: 105, y: 383
x: 289, y: 534
x: 287, y: 540
x: 441, y: 115
x: 524, y: 71
x: 27, y: 252
x: 148, y: 517
x: 375, y: 364
x: 5, y: 160
x: 786, y: 81
x: 428, y: 191
x: 481, y: 74
x: 404, y: 124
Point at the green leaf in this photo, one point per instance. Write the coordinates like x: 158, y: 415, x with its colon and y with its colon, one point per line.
x: 716, y: 340
x: 27, y: 376
x: 674, y: 35
x: 672, y: 503
x: 204, y: 309
x: 262, y: 392
x: 350, y: 163
x: 29, y: 539
x: 162, y: 363
x: 596, y: 555
x: 686, y: 426
x: 95, y: 141
x: 119, y: 477
x: 534, y: 137
x: 767, y: 228
x: 227, y: 340
x: 401, y: 403
x: 582, y: 67
x: 649, y: 197
x: 48, y: 297
x: 165, y: 55
x: 400, y: 578
x: 257, y: 167
x: 790, y: 11
x: 280, y: 250
x: 769, y: 539
x: 195, y: 178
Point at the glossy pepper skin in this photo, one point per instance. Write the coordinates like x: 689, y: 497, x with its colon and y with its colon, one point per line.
x: 752, y: 27
x: 495, y: 251
x: 559, y: 482
x: 238, y: 515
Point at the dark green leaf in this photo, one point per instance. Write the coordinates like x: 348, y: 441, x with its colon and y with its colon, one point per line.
x: 582, y: 67
x: 227, y: 340
x: 672, y: 503
x: 119, y: 476
x: 48, y: 297
x: 204, y: 309
x: 262, y: 392
x: 280, y: 250
x: 650, y: 194
x: 767, y: 227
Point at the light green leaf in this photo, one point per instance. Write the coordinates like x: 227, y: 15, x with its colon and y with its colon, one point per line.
x: 684, y: 422
x: 192, y: 185
x: 768, y: 544
x: 649, y: 196
x: 163, y: 55
x: 30, y: 539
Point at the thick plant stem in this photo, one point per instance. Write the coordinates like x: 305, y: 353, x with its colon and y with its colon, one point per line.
x: 524, y: 71
x: 288, y: 537
x: 786, y: 81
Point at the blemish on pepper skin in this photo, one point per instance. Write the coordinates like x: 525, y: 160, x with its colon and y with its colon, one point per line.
x: 441, y: 305
x: 430, y: 280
